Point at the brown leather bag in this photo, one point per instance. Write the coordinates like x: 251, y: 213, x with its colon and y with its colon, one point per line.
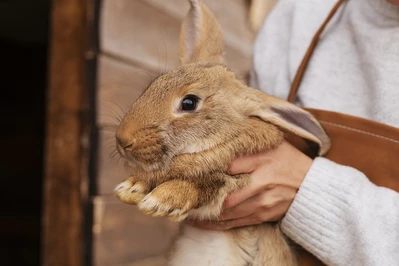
x: 369, y: 146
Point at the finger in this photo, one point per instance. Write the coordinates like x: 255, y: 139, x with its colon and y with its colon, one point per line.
x: 259, y: 202
x: 246, y: 164
x: 259, y: 182
x: 244, y: 221
x: 208, y: 225
x: 241, y: 195
x: 225, y: 225
x: 243, y: 209
x: 275, y: 213
x: 275, y: 203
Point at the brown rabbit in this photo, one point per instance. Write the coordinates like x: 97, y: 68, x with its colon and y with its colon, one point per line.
x: 179, y: 137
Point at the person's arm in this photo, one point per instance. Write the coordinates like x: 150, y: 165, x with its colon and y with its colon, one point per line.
x: 342, y: 218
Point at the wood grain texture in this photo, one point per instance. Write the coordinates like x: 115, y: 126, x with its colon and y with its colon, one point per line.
x: 110, y: 170
x: 67, y: 132
x: 147, y: 32
x: 124, y: 236
x: 231, y: 14
x: 119, y: 85
x: 138, y: 32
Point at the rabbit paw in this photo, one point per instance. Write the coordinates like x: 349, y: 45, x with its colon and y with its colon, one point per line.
x: 172, y: 199
x: 131, y: 191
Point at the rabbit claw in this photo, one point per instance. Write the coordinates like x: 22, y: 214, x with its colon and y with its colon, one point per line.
x: 131, y: 191
x: 170, y: 199
x: 155, y: 206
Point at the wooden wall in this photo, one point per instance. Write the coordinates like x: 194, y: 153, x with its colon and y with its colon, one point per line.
x: 138, y: 40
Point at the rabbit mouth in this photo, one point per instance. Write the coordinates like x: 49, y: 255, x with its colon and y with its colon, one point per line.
x: 148, y: 158
x: 144, y: 149
x: 147, y: 167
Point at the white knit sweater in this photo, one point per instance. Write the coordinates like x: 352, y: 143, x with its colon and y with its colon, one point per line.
x: 338, y: 215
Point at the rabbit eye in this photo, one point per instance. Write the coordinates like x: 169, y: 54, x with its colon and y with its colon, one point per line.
x: 189, y: 103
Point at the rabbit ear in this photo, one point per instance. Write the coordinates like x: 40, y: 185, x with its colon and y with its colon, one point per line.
x: 201, y: 38
x: 290, y: 118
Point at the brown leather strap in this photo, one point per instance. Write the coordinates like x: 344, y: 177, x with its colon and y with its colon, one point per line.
x: 306, y: 58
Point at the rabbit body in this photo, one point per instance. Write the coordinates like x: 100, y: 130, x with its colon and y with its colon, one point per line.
x: 179, y: 161
x: 189, y: 152
x: 179, y: 137
x: 257, y: 245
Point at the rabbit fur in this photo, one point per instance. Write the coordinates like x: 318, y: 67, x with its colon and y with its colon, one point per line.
x: 181, y: 134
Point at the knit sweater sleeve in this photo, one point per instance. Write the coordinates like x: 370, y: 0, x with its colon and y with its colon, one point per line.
x: 342, y: 218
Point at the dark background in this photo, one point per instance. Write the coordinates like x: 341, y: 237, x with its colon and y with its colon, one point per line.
x: 24, y: 38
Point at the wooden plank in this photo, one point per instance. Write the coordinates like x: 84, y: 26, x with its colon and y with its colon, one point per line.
x: 149, y: 37
x: 123, y: 235
x: 138, y: 32
x: 119, y: 85
x: 110, y: 169
x: 67, y: 133
x: 231, y: 14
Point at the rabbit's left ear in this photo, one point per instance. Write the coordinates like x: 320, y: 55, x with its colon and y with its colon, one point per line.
x: 290, y: 118
x: 201, y: 39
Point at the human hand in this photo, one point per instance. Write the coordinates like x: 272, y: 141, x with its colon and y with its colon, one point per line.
x: 275, y: 179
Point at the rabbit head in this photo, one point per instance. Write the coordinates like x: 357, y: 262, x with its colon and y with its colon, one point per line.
x: 201, y: 104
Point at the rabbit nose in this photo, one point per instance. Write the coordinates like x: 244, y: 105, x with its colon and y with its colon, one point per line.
x: 128, y: 147
x: 125, y: 142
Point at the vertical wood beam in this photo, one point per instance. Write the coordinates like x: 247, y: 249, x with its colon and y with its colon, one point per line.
x: 67, y: 136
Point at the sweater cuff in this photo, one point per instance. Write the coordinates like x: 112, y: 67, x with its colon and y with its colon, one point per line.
x: 318, y: 210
